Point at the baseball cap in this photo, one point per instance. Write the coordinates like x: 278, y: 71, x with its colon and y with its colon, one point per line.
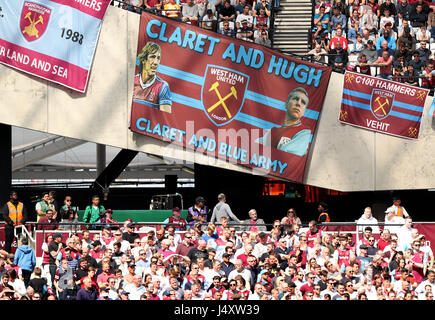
x: 125, y: 292
x: 109, y: 211
x: 226, y: 255
x: 198, y: 199
x: 388, y: 24
x: 57, y: 235
x: 131, y: 264
x: 370, y: 42
x: 363, y: 246
x: 107, y: 226
x: 130, y: 225
x: 244, y: 20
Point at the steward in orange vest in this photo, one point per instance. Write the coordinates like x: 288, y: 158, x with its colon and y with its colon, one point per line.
x: 323, y: 210
x: 14, y: 214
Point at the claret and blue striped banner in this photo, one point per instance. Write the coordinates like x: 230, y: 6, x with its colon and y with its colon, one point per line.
x: 226, y: 97
x: 381, y: 105
x: 51, y: 39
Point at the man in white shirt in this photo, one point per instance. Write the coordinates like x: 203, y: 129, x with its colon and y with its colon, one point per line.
x: 421, y: 289
x: 390, y: 218
x: 367, y: 218
x: 125, y: 245
x: 399, y: 211
x: 404, y: 235
x: 260, y: 248
x: 244, y: 15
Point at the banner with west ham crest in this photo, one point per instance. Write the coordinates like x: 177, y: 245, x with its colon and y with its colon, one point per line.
x: 226, y: 98
x: 51, y: 39
x: 381, y: 105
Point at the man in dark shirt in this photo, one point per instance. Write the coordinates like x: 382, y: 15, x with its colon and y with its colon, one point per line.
x: 130, y: 235
x: 227, y: 13
x: 199, y: 251
x: 53, y: 250
x: 226, y: 265
x: 338, y: 56
x: 226, y: 30
x: 416, y: 63
x: 81, y: 271
x: 417, y: 17
x: 88, y: 292
x: 424, y: 6
x: 388, y: 5
x: 407, y: 39
x: 423, y: 52
x: 245, y: 32
x: 405, y: 8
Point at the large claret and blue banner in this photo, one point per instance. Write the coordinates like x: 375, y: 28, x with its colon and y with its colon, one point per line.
x: 51, y: 39
x: 382, y: 105
x: 226, y: 98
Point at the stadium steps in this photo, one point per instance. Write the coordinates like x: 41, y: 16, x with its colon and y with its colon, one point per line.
x: 292, y: 23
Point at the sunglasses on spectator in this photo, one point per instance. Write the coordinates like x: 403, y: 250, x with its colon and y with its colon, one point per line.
x: 118, y: 234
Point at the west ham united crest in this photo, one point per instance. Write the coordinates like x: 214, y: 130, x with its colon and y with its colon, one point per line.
x: 34, y: 20
x: 381, y: 103
x: 223, y: 93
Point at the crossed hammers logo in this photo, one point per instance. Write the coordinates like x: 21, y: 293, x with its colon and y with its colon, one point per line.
x: 222, y: 100
x: 381, y: 105
x: 31, y: 29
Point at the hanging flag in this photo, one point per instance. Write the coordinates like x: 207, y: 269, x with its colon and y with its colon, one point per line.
x: 382, y: 105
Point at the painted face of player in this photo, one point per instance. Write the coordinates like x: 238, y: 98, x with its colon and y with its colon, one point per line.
x: 152, y: 63
x: 296, y: 105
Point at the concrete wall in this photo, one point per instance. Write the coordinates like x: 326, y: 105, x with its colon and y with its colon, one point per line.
x: 342, y: 157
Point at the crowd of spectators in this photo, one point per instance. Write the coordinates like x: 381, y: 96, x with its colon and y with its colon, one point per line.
x: 247, y: 20
x: 217, y: 257
x: 391, y: 39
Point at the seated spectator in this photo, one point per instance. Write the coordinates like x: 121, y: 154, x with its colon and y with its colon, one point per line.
x: 366, y: 36
x: 262, y: 17
x: 403, y: 52
x: 338, y: 57
x: 407, y: 39
x: 387, y: 36
x: 355, y: 7
x: 205, y: 5
x: 384, y: 46
x: 372, y: 6
x: 227, y: 13
x: 400, y: 29
x: 317, y: 54
x: 387, y: 5
x: 245, y: 32
x: 411, y: 76
x: 416, y: 62
x: 172, y: 10
x: 370, y: 52
x: 363, y: 66
x: 385, y: 63
x: 260, y: 28
x: 417, y: 17
x: 245, y: 16
x: 369, y: 22
x: 404, y: 8
x: 261, y: 4
x: 134, y: 5
x: 353, y: 31
x: 154, y: 6
x: 319, y: 32
x: 342, y: 7
x: 398, y: 77
x: 424, y: 5
x: 226, y: 30
x: 338, y: 38
x: 423, y: 34
x: 424, y: 52
x: 387, y: 18
x: 48, y: 222
x: 209, y: 21
x: 241, y: 4
x: 190, y: 13
x: 357, y: 46
x: 263, y: 39
x: 337, y: 18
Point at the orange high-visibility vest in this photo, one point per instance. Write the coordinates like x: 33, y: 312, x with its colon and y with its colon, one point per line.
x: 327, y: 217
x: 399, y: 212
x: 16, y: 213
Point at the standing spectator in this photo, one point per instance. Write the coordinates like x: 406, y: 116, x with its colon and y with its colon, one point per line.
x: 14, y: 214
x: 93, y: 211
x: 222, y: 209
x: 25, y: 258
x: 64, y: 281
x: 54, y: 249
x: 88, y: 292
x: 190, y: 13
x: 367, y: 218
x: 64, y: 210
x: 43, y: 206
